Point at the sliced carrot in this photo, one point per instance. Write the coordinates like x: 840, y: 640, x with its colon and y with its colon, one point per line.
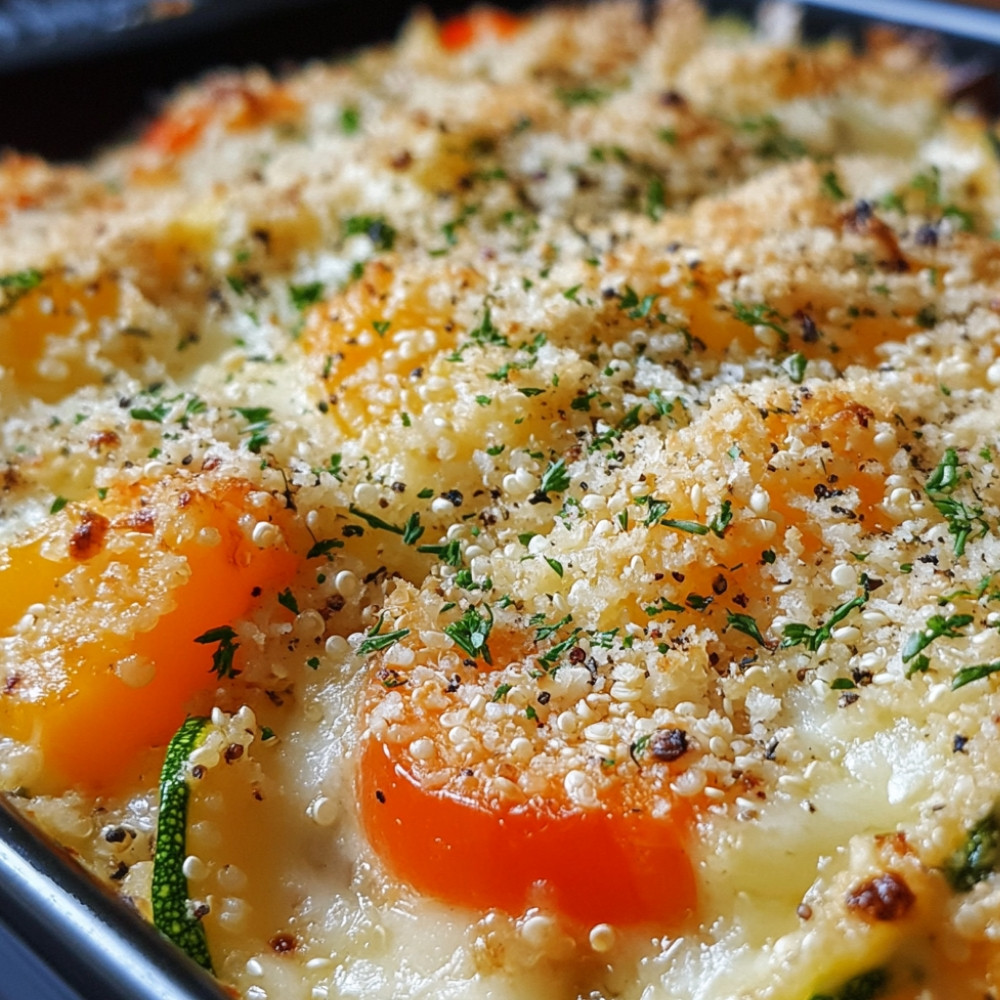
x: 238, y: 105
x: 442, y: 827
x: 617, y: 863
x: 48, y: 308
x: 478, y: 25
x: 178, y: 131
x: 112, y: 694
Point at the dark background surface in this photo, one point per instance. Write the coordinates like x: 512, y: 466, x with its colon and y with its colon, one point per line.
x: 82, y: 88
x: 76, y: 75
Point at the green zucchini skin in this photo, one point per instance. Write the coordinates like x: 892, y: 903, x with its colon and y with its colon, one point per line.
x: 171, y: 911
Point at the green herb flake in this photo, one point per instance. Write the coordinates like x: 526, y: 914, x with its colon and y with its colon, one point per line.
x: 304, y: 296
x: 796, y: 634
x: 472, y: 631
x: 450, y: 553
x: 634, y: 307
x: 937, y: 626
x: 962, y: 519
x: 501, y: 692
x: 829, y: 186
x: 350, y: 120
x: 375, y: 227
x: 573, y: 96
x: 691, y: 527
x: 761, y: 314
x: 656, y: 198
x: 222, y: 658
x: 747, y: 625
x: 376, y: 640
x: 555, y: 479
x: 795, y: 366
x: 154, y: 414
x: 978, y: 857
x: 258, y: 420
x: 967, y: 675
x: 865, y: 986
x: 287, y: 600
x: 722, y: 520
x: 323, y: 547
x: 57, y: 505
x: 19, y: 283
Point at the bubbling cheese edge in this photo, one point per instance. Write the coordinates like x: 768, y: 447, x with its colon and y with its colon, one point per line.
x: 537, y: 437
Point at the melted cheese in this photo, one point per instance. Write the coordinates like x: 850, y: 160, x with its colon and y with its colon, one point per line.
x: 559, y: 454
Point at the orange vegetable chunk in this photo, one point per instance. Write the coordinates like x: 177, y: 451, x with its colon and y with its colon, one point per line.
x: 477, y: 25
x: 94, y: 693
x: 616, y: 864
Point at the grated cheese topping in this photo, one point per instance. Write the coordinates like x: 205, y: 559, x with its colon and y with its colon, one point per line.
x: 558, y: 456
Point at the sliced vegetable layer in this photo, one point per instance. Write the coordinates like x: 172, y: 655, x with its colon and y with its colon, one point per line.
x: 115, y: 617
x: 172, y: 910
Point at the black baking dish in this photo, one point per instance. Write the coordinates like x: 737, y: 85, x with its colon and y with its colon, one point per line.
x: 74, y: 76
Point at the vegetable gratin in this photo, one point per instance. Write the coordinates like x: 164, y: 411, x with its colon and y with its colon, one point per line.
x: 517, y: 514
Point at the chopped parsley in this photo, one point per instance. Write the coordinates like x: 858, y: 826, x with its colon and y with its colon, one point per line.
x: 376, y: 640
x: 747, y: 625
x: 795, y: 366
x: 656, y: 198
x: 555, y: 479
x: 323, y: 547
x: 572, y: 96
x: 303, y: 296
x: 486, y: 333
x: 501, y: 692
x: 17, y: 284
x: 154, y: 414
x: 634, y: 307
x: 472, y: 631
x: 937, y: 627
x: 222, y: 657
x: 796, y: 634
x: 962, y: 519
x: 287, y: 600
x: 450, y: 553
x: 258, y: 420
x: 978, y: 857
x: 691, y: 527
x: 829, y: 185
x: 411, y: 530
x: 375, y: 227
x: 350, y: 120
x: 660, y: 605
x: 865, y: 986
x: 722, y: 520
x: 975, y: 673
x: 761, y: 314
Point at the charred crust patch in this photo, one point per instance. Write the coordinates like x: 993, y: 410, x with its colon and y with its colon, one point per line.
x: 882, y: 898
x: 88, y: 537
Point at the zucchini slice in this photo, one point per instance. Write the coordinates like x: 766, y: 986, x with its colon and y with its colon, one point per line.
x: 172, y: 911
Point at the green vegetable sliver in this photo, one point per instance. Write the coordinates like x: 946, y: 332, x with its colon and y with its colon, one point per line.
x: 172, y: 914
